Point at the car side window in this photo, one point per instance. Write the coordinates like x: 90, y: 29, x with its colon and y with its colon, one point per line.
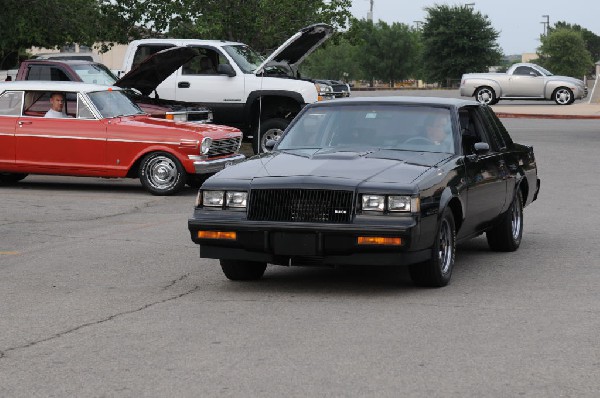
x: 473, y: 130
x: 83, y: 110
x: 11, y: 103
x: 44, y: 72
x: 205, y: 63
x: 497, y: 126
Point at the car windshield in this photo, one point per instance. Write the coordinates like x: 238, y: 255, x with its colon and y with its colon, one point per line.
x: 544, y: 71
x: 95, y: 73
x: 113, y: 103
x: 245, y: 57
x: 367, y: 127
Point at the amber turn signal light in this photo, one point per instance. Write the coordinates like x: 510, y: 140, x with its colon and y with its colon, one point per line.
x: 217, y: 235
x: 379, y: 240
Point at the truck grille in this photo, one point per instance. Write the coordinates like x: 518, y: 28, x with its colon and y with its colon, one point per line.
x: 300, y: 205
x: 199, y: 116
x: 224, y: 146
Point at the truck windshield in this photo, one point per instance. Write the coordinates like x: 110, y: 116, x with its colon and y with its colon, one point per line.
x: 95, y: 73
x: 544, y: 71
x: 245, y: 57
x: 113, y: 103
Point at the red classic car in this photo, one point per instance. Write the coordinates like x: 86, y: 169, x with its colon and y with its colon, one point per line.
x: 102, y: 133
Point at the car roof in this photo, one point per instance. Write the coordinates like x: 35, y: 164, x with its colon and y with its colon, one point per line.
x: 54, y: 86
x: 401, y: 100
x: 186, y: 42
x: 61, y: 61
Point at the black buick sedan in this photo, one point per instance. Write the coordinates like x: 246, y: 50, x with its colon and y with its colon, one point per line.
x: 388, y: 181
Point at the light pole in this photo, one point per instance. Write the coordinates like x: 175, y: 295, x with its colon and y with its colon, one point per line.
x: 470, y: 5
x: 418, y: 23
x: 546, y: 23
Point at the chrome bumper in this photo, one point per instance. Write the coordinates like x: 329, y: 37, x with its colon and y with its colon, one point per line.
x: 214, y: 165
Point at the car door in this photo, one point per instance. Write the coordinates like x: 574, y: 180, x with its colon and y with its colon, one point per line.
x: 525, y: 82
x: 485, y: 175
x: 10, y: 110
x: 198, y: 81
x: 71, y: 145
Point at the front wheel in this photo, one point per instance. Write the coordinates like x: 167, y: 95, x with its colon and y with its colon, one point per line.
x: 436, y: 271
x: 11, y: 178
x: 506, y: 235
x: 161, y: 174
x: 270, y: 129
x: 238, y: 270
x: 563, y: 96
x: 486, y: 95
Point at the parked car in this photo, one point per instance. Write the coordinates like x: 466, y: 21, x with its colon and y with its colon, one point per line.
x: 104, y: 134
x: 363, y: 181
x: 140, y: 83
x: 339, y: 88
x: 523, y: 81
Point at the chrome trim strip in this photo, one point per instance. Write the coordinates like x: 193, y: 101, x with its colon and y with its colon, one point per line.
x: 72, y: 137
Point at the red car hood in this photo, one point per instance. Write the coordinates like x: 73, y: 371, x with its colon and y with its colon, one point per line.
x: 167, y: 129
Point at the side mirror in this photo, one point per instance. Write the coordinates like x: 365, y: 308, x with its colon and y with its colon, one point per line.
x: 225, y: 69
x: 481, y: 148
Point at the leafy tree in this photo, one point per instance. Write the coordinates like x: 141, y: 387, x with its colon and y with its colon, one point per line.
x: 52, y: 23
x: 592, y: 40
x: 263, y: 24
x: 336, y: 59
x: 563, y: 51
x: 457, y: 40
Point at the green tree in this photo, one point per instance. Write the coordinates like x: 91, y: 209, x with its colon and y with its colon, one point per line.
x: 457, y: 40
x: 563, y: 51
x: 336, y: 59
x: 263, y: 24
x: 592, y: 40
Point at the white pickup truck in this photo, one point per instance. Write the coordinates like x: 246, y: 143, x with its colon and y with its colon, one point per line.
x: 522, y: 81
x: 243, y: 89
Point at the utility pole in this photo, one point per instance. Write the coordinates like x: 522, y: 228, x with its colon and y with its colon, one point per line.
x: 370, y: 13
x: 546, y: 23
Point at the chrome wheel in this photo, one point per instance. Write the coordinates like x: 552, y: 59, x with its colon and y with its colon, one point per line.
x: 563, y: 96
x: 271, y: 134
x: 445, y: 247
x: 485, y: 95
x: 161, y: 174
x: 517, y: 220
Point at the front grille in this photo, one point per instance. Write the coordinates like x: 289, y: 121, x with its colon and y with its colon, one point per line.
x: 224, y: 146
x: 199, y: 116
x: 300, y: 205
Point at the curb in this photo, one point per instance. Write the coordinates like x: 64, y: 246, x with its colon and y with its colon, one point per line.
x: 543, y: 116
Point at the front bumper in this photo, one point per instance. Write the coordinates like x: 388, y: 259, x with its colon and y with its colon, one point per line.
x: 309, y: 243
x: 208, y: 166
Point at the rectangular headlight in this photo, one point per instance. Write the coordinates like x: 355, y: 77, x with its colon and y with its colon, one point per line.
x: 213, y: 198
x: 236, y: 199
x: 399, y: 203
x: 176, y: 116
x: 373, y: 202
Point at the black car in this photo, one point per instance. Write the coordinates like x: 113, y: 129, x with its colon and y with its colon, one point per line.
x: 370, y: 181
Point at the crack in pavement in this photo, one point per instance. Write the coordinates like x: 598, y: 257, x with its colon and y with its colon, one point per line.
x: 4, y: 352
x: 174, y: 281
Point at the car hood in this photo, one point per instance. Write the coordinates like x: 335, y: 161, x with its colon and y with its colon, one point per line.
x: 567, y: 79
x: 155, y: 69
x: 299, y: 46
x: 381, y: 166
x: 165, y: 130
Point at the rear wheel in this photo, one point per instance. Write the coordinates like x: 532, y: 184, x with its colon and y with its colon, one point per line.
x: 11, y: 178
x: 162, y: 174
x: 436, y: 271
x: 270, y: 129
x: 238, y: 270
x: 563, y: 96
x: 506, y: 235
x: 486, y: 95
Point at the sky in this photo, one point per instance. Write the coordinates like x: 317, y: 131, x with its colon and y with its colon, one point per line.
x: 518, y: 21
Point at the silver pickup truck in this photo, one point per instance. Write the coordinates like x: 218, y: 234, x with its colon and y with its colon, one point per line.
x: 522, y: 81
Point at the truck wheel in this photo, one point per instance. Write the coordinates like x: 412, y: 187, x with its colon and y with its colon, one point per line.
x: 161, y: 174
x: 436, y: 271
x: 237, y: 270
x: 11, y: 178
x: 563, y: 96
x: 270, y: 129
x: 506, y: 235
x: 486, y: 95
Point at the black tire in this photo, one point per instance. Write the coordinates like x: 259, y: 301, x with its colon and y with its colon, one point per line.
x: 506, y: 235
x: 486, y: 95
x: 563, y: 96
x: 11, y: 178
x: 161, y: 174
x: 237, y: 270
x: 195, y: 180
x: 270, y: 129
x: 437, y: 271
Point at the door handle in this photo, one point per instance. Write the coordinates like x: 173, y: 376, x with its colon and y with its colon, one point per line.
x: 21, y: 123
x: 183, y: 84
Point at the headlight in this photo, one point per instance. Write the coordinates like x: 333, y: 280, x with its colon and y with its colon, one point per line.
x: 399, y: 203
x: 373, y: 202
x: 236, y: 199
x: 213, y: 198
x: 206, y: 143
x: 176, y: 116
